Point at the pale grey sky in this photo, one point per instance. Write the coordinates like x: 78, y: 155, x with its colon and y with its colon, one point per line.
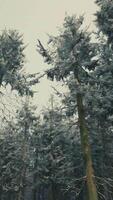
x: 34, y: 19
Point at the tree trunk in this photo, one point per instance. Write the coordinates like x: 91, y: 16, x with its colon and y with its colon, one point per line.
x: 35, y: 177
x: 52, y: 192
x: 23, y: 174
x: 24, y: 167
x: 90, y: 180
x: 34, y: 194
x: 104, y: 161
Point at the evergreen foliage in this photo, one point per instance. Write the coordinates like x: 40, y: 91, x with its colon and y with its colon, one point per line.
x: 65, y: 152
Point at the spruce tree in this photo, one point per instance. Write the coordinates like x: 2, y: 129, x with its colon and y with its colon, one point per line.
x: 72, y: 53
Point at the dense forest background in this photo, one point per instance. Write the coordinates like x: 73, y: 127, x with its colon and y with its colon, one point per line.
x: 66, y: 150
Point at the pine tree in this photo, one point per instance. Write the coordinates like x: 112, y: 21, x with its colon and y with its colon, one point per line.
x: 72, y: 53
x: 11, y: 56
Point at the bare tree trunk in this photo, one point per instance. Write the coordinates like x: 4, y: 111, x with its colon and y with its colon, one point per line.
x: 90, y: 180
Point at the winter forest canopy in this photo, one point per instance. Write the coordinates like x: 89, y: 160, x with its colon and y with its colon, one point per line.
x: 65, y: 151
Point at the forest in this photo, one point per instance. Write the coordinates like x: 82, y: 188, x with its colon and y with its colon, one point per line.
x: 65, y: 151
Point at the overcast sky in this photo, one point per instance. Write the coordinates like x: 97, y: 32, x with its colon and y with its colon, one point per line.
x: 35, y: 19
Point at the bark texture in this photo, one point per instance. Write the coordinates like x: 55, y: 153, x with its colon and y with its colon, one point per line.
x: 90, y: 180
